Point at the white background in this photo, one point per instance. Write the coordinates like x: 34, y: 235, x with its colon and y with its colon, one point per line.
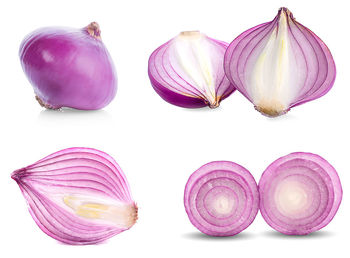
x: 159, y: 145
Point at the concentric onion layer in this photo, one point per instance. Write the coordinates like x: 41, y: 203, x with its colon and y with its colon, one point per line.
x: 279, y: 64
x: 221, y: 198
x: 187, y: 71
x: 299, y: 193
x: 78, y: 196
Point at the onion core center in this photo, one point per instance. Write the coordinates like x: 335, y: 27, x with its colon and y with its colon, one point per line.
x: 192, y: 54
x: 292, y: 198
x: 121, y: 215
x: 223, y: 205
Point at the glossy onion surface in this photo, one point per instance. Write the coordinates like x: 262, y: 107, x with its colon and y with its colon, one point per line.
x: 69, y: 67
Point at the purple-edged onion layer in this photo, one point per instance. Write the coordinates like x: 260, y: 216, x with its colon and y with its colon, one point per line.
x: 221, y: 198
x: 279, y: 64
x: 187, y: 71
x: 78, y: 196
x: 69, y: 67
x: 299, y: 193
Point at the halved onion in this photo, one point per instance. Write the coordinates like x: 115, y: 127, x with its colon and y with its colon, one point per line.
x: 299, y: 193
x: 78, y: 196
x: 221, y: 198
x: 187, y: 71
x: 279, y: 65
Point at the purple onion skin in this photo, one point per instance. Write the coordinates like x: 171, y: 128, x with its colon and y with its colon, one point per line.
x: 211, y: 173
x: 175, y: 98
x: 69, y: 67
x: 178, y: 99
x: 333, y: 193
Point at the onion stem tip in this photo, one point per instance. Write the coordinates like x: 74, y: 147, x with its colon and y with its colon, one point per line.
x: 94, y: 30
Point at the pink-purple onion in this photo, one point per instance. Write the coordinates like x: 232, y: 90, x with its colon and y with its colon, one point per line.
x: 78, y: 196
x: 299, y: 193
x: 187, y: 71
x: 279, y: 65
x: 221, y: 198
x: 69, y: 67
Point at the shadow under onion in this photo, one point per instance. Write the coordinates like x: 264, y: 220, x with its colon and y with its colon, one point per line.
x: 313, y: 235
x: 203, y: 237
x: 76, y: 115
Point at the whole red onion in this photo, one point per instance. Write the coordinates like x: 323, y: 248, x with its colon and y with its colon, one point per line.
x: 69, y: 67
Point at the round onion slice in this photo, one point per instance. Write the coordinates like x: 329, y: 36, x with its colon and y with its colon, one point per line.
x: 187, y: 71
x: 221, y: 198
x: 78, y: 196
x: 299, y: 193
x: 279, y: 64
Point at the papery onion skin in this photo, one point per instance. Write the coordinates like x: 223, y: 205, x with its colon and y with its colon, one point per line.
x: 77, y: 196
x: 221, y: 198
x: 306, y: 192
x: 304, y: 70
x: 69, y: 67
x: 173, y: 81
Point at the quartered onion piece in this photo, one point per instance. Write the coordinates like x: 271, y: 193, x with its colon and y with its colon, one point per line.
x: 187, y: 71
x: 221, y: 198
x: 78, y: 196
x: 299, y: 193
x: 279, y: 64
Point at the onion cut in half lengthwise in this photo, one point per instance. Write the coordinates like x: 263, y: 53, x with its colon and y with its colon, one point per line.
x: 187, y: 71
x: 78, y: 196
x: 221, y: 198
x: 279, y: 65
x: 299, y: 193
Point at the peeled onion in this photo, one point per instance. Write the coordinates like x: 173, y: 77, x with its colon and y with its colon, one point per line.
x: 69, y: 67
x: 187, y: 71
x: 78, y: 196
x: 221, y: 198
x: 279, y: 65
x: 299, y: 193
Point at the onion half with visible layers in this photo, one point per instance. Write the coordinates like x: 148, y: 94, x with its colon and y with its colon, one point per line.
x: 69, y: 67
x: 78, y: 196
x: 187, y: 71
x: 279, y: 65
x: 221, y: 198
x: 299, y: 193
